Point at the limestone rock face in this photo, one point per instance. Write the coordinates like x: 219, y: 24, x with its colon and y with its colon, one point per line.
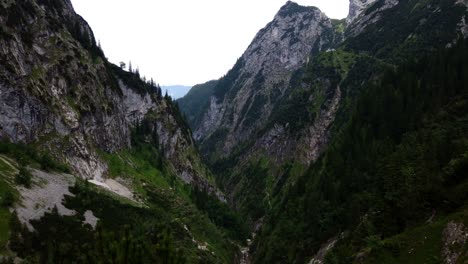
x: 356, y: 7
x: 58, y: 90
x: 363, y: 13
x: 244, y: 99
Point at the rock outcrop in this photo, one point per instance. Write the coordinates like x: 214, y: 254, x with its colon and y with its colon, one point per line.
x: 454, y: 238
x: 356, y: 7
x: 363, y: 13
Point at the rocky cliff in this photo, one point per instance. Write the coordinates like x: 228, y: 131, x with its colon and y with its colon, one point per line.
x: 356, y: 7
x: 244, y: 99
x: 59, y: 91
x: 270, y: 120
x: 95, y: 150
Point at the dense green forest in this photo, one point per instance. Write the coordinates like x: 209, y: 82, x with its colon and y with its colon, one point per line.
x: 160, y: 231
x: 400, y: 158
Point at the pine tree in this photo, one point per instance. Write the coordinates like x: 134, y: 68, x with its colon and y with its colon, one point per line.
x: 159, y: 91
x: 137, y: 72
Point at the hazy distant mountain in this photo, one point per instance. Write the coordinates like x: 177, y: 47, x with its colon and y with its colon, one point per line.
x: 176, y: 91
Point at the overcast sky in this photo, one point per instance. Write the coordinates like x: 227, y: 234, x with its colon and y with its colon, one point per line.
x: 184, y: 41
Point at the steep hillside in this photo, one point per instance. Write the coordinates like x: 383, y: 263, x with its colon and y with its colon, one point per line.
x: 398, y: 163
x: 196, y: 102
x: 332, y: 200
x: 59, y: 90
x: 335, y: 141
x: 247, y: 94
x: 93, y: 149
x: 284, y: 174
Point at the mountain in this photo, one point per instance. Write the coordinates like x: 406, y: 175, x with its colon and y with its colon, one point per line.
x: 176, y: 91
x: 248, y: 93
x: 246, y: 124
x: 330, y: 141
x: 331, y: 137
x: 197, y: 100
x: 96, y: 163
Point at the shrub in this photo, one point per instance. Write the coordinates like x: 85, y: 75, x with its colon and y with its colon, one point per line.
x: 23, y: 177
x: 8, y: 199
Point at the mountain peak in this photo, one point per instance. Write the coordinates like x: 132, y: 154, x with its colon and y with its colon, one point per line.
x: 291, y: 8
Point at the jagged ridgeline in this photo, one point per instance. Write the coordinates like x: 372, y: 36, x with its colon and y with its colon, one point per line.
x: 95, y: 165
x: 344, y: 141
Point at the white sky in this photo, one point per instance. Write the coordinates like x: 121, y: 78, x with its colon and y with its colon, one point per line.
x: 184, y: 41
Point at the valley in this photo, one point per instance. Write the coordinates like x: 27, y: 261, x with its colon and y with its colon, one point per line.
x: 329, y: 141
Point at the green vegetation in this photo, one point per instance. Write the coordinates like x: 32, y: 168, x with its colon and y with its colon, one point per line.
x: 151, y: 233
x: 111, y: 241
x: 31, y: 155
x: 85, y: 37
x: 23, y: 177
x: 220, y: 214
x: 303, y: 105
x: 400, y: 156
x: 37, y: 73
x: 7, y: 197
x: 421, y: 244
x: 134, y: 81
x: 196, y: 102
x: 11, y: 174
x: 172, y: 204
x: 421, y: 26
x: 210, y: 144
x: 226, y: 83
x: 397, y: 153
x: 339, y: 25
x: 335, y: 60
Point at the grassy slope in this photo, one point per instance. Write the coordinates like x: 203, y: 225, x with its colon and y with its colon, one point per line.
x: 6, y: 179
x: 167, y: 204
x: 422, y: 244
x: 152, y: 183
x: 167, y: 195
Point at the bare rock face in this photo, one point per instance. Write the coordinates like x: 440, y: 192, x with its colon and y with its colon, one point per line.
x: 360, y: 14
x: 455, y: 236
x: 58, y: 90
x: 244, y: 99
x: 53, y: 88
x: 356, y: 7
